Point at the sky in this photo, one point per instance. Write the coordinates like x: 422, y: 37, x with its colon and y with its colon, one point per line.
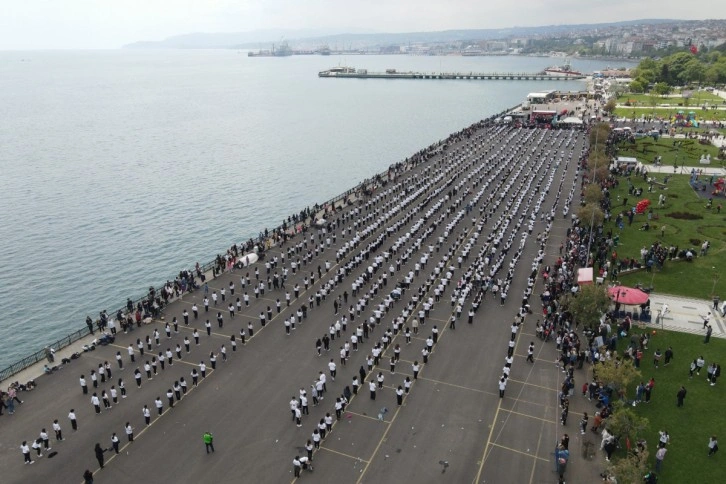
x: 106, y: 24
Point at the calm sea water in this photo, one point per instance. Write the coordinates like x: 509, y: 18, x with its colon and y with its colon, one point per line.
x: 119, y: 168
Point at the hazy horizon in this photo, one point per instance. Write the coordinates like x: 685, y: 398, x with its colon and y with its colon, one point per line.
x: 89, y: 24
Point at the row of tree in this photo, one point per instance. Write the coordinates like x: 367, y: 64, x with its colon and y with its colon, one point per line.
x: 587, y: 307
x: 679, y: 69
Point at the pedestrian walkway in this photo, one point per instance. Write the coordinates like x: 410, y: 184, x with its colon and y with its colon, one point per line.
x: 243, y: 402
x: 686, y: 315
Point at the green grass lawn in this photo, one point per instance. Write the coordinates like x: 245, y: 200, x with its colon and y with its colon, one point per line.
x: 691, y: 425
x: 691, y: 279
x: 668, y: 113
x: 687, y: 151
x: 697, y: 98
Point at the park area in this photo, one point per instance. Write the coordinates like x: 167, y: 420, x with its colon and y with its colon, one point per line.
x: 691, y: 98
x: 689, y: 426
x: 679, y: 152
x: 684, y: 222
x: 679, y: 209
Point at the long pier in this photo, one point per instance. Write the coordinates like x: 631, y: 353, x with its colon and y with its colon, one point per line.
x: 469, y: 76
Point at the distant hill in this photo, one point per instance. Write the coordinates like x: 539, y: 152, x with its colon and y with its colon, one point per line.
x: 312, y: 37
x: 228, y: 40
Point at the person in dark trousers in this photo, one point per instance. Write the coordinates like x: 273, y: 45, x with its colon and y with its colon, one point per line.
x: 99, y: 454
x: 709, y: 330
x: 681, y: 395
x: 88, y: 477
x: 114, y: 442
x: 208, y: 441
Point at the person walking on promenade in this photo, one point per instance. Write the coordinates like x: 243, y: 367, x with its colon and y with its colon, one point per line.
x: 129, y: 432
x: 131, y: 353
x: 530, y: 352
x: 119, y: 360
x: 680, y: 396
x: 709, y: 330
x: 84, y: 386
x: 114, y: 442
x: 712, y: 445
x: 72, y: 418
x: 372, y: 388
x: 502, y: 386
x: 98, y: 450
x: 159, y: 405
x: 208, y: 439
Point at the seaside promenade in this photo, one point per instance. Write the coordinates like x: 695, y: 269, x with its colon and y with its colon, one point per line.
x: 452, y: 425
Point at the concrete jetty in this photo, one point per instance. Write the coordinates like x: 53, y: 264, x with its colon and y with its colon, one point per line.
x: 452, y: 422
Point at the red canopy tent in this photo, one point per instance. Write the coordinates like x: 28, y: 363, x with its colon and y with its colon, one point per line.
x: 628, y: 295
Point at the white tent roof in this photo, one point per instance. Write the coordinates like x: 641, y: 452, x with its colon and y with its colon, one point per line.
x: 571, y: 120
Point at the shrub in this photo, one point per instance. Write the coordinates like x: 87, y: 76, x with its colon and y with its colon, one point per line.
x: 695, y: 241
x: 684, y: 215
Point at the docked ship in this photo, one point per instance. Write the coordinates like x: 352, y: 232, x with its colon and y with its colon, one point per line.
x: 283, y: 50
x: 562, y: 71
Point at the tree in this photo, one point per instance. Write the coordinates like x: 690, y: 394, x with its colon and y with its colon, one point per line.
x: 693, y: 71
x: 590, y: 215
x: 631, y: 468
x: 593, y: 194
x: 637, y: 86
x: 598, y: 135
x: 610, y: 106
x: 616, y: 374
x: 661, y: 88
x: 588, y: 305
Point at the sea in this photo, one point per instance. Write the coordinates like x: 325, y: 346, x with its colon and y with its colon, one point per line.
x: 119, y: 168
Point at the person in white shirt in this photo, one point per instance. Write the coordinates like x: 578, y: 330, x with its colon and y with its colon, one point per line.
x: 332, y: 368
x: 129, y: 432
x: 147, y: 414
x: 26, y: 453
x: 96, y: 402
x: 72, y: 418
x: 57, y: 430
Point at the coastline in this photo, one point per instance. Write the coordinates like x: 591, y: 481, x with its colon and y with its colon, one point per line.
x: 31, y: 366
